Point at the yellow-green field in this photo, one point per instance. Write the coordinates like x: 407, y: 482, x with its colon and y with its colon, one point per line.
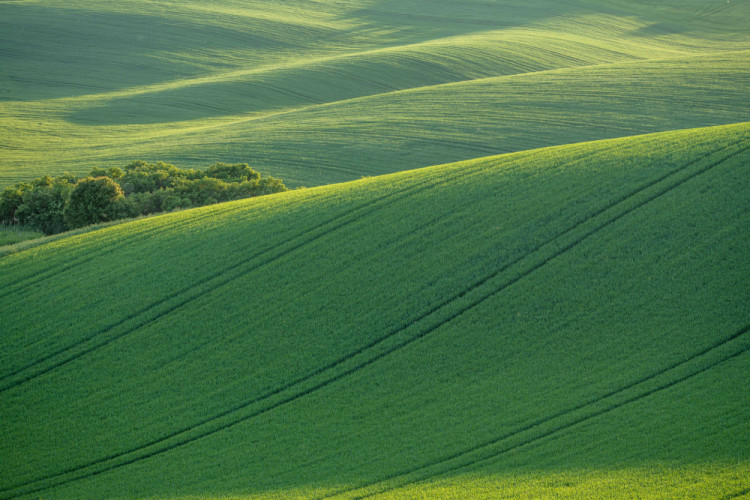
x: 322, y: 92
x: 556, y: 306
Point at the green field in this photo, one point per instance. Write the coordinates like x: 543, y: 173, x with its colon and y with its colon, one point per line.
x: 567, y: 321
x: 323, y: 92
x: 520, y: 267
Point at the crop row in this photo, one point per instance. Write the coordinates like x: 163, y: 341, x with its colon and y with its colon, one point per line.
x: 395, y: 210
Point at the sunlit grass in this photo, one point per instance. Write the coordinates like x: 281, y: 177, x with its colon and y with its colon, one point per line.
x: 657, y: 481
x: 564, y: 322
x: 545, y: 316
x: 310, y: 93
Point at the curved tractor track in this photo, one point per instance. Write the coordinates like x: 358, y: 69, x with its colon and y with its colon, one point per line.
x: 402, y: 336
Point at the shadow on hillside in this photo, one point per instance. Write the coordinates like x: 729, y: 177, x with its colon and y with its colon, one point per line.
x: 659, y: 29
x: 346, y: 77
x: 48, y: 52
x: 425, y: 19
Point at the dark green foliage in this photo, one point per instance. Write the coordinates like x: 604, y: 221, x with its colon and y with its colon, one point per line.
x: 238, y: 172
x: 140, y: 189
x: 10, y: 199
x: 269, y: 185
x: 161, y: 187
x: 142, y: 177
x: 38, y: 204
x: 200, y: 191
x: 92, y: 200
x: 115, y: 173
x: 43, y: 207
x: 174, y: 202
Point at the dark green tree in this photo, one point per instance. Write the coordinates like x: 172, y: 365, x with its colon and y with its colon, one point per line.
x: 10, y: 200
x: 238, y: 172
x: 92, y: 200
x: 205, y: 191
x: 269, y: 185
x: 43, y: 207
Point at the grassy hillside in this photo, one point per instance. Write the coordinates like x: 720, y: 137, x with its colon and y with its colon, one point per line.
x: 322, y: 92
x: 566, y: 321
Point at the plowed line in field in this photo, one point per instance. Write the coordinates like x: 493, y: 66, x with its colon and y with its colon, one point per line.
x: 29, y: 281
x: 186, y: 290
x: 578, y: 420
x: 266, y: 396
x: 737, y: 494
x: 596, y: 229
x: 388, y: 350
x: 235, y: 267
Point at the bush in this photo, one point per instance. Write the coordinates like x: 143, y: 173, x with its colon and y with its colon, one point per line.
x: 43, y: 207
x: 93, y: 200
x: 173, y: 202
x: 239, y: 172
x: 10, y: 200
x: 205, y: 191
x: 55, y: 205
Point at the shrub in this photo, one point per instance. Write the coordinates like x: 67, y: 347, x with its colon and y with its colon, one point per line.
x: 173, y: 202
x: 10, y: 200
x: 92, y: 200
x: 238, y: 172
x: 43, y: 207
x: 54, y: 205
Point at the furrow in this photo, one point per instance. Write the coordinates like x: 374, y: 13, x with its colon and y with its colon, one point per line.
x: 572, y: 245
x: 205, y: 282
x: 34, y: 279
x: 565, y: 413
x: 389, y: 336
x: 269, y: 394
x: 477, y: 284
x: 413, y: 189
x: 737, y: 494
x: 416, y: 188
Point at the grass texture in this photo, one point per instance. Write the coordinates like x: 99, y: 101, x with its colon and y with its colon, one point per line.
x: 330, y: 91
x: 12, y: 235
x: 570, y: 321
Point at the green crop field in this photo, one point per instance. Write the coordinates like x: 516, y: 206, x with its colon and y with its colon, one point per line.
x: 567, y: 321
x: 515, y: 261
x: 316, y: 92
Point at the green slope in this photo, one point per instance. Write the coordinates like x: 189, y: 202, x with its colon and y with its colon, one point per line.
x: 309, y: 91
x: 571, y: 320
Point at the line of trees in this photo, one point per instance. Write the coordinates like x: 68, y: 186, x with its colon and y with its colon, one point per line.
x: 58, y: 204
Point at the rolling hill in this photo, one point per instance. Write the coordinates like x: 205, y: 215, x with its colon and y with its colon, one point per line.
x: 317, y: 92
x: 567, y: 321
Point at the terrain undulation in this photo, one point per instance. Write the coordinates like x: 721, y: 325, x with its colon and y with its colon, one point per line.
x: 518, y: 266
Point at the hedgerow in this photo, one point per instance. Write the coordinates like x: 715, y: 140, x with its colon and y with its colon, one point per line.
x: 53, y: 205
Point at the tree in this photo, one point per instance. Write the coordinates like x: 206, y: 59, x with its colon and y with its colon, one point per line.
x: 10, y: 199
x: 92, y: 200
x: 205, y: 191
x: 270, y: 185
x: 238, y: 172
x: 173, y: 202
x: 57, y: 204
x: 43, y: 207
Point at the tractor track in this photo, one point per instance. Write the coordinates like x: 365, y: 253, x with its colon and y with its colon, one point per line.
x: 578, y: 420
x: 408, y: 191
x: 185, y: 290
x: 389, y: 336
x: 34, y: 279
x: 737, y: 494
